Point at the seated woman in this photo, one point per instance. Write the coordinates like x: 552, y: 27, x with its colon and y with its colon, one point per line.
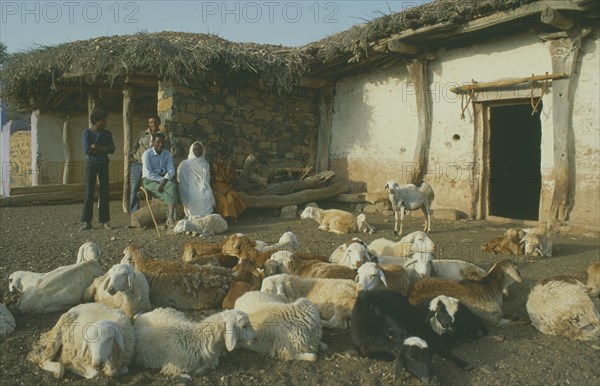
x: 229, y: 203
x: 194, y: 183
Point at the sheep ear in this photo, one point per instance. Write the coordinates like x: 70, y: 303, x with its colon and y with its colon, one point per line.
x: 84, y: 346
x: 130, y: 279
x: 382, y: 277
x: 230, y: 335
x: 119, y: 340
x: 105, y: 284
x: 356, y: 278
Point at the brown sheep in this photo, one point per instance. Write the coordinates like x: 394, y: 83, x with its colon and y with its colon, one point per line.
x: 288, y: 262
x: 196, y: 252
x: 179, y: 285
x: 248, y: 279
x: 483, y: 298
x: 508, y: 244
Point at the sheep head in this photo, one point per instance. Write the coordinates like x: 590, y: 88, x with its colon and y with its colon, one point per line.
x: 236, y: 244
x: 89, y: 251
x: 99, y: 341
x: 14, y: 282
x: 593, y: 282
x: 510, y: 270
x: 369, y: 276
x: 441, y: 316
x: 237, y: 327
x: 415, y: 357
x: 310, y: 212
x: 119, y: 278
x: 422, y: 262
x: 133, y: 253
x: 356, y: 254
x: 391, y: 186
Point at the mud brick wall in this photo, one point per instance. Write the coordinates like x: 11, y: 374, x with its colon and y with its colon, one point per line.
x: 241, y: 120
x: 20, y: 158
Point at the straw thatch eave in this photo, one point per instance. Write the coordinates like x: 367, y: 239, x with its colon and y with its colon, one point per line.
x: 184, y: 58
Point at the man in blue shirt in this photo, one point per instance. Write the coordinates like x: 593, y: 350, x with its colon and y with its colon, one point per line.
x: 158, y: 172
x: 97, y: 144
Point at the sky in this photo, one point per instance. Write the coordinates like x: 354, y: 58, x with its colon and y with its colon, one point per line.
x: 27, y: 24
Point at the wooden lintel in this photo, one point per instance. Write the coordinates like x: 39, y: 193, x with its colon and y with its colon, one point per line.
x: 311, y: 82
x: 401, y: 47
x: 142, y: 79
x: 505, y: 83
x: 556, y: 19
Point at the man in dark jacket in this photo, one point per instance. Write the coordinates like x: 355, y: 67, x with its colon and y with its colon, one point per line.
x: 97, y: 144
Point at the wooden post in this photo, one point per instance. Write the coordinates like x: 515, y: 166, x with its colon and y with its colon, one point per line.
x: 417, y: 69
x: 34, y: 146
x: 325, y: 104
x: 67, y: 151
x: 91, y: 104
x: 128, y: 107
x: 564, y: 59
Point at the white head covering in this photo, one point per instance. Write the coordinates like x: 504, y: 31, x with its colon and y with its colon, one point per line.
x: 194, y: 184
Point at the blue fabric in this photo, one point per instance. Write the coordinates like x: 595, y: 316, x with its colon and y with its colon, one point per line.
x: 91, y: 172
x: 102, y: 138
x: 135, y: 181
x: 157, y: 166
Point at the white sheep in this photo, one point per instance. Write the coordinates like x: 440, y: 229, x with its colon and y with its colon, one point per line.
x: 288, y: 241
x: 351, y: 254
x: 168, y: 341
x: 363, y: 226
x: 537, y: 242
x: 62, y: 288
x: 7, y: 321
x: 209, y: 225
x: 123, y: 287
x: 410, y: 197
x: 257, y: 299
x: 562, y: 306
x: 417, y: 241
x: 88, y: 339
x: 332, y: 220
x: 284, y: 331
x: 333, y: 297
x: 371, y: 276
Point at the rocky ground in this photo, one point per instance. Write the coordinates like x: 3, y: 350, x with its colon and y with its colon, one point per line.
x: 41, y: 238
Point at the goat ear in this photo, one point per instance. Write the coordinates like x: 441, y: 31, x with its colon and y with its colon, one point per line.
x: 356, y: 278
x: 119, y: 339
x: 230, y: 334
x: 382, y: 277
x: 130, y: 279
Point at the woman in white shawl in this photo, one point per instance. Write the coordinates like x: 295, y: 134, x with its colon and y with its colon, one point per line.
x: 194, y: 183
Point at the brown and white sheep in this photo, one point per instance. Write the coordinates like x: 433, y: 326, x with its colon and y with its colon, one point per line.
x: 179, y: 285
x: 507, y: 244
x: 288, y: 262
x: 196, y: 252
x: 248, y: 279
x: 332, y: 220
x: 483, y: 297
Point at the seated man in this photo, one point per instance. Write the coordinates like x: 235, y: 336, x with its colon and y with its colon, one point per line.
x: 157, y: 173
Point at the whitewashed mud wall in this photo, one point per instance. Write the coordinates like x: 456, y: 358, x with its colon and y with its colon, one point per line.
x: 375, y: 121
x: 374, y: 127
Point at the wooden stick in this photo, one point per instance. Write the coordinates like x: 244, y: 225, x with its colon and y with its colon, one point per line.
x: 308, y: 170
x: 151, y: 212
x: 503, y: 83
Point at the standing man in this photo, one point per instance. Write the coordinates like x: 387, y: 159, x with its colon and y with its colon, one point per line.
x: 157, y: 173
x: 143, y: 143
x: 97, y: 145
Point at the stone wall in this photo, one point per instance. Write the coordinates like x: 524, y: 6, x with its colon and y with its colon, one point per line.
x: 20, y: 158
x: 241, y: 120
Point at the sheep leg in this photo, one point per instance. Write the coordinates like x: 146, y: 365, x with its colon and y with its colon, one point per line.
x: 56, y: 368
x: 427, y: 214
x: 402, y: 210
x: 170, y: 369
x: 323, y: 227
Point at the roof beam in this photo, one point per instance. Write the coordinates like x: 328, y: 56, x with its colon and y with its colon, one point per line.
x: 556, y: 19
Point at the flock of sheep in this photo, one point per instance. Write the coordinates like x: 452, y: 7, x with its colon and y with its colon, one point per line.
x: 400, y: 302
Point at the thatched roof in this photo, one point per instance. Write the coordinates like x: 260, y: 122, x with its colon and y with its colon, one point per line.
x: 181, y: 57
x: 355, y: 42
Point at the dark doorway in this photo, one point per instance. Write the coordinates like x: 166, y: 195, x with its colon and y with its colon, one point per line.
x: 515, y: 155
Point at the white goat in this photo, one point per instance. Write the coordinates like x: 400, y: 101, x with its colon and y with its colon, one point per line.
x: 88, y: 339
x: 121, y: 287
x: 333, y: 297
x: 209, y: 225
x: 284, y: 331
x: 7, y: 321
x: 409, y: 197
x: 167, y: 340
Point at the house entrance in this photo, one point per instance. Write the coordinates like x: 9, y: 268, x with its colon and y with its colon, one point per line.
x: 515, y: 155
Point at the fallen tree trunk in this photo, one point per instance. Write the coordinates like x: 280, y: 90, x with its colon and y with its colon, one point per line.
x: 360, y: 198
x: 54, y: 188
x: 304, y: 196
x: 50, y: 197
x: 285, y: 188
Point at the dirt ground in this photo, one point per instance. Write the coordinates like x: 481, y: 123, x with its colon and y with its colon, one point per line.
x: 41, y: 238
